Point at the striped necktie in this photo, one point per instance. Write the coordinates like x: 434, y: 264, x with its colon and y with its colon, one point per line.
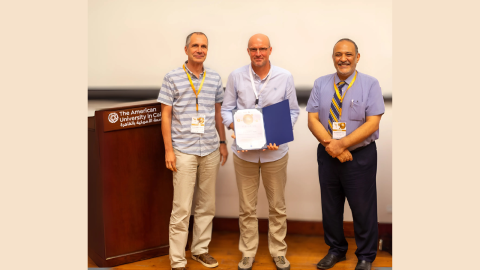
x: 335, y: 108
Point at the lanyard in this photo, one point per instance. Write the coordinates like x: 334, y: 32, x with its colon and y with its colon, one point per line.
x: 253, y: 85
x: 344, y: 93
x: 193, y: 87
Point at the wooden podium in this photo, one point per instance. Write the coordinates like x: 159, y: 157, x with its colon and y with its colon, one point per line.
x: 130, y: 192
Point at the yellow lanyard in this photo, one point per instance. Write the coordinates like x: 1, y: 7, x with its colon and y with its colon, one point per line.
x: 344, y: 93
x: 338, y: 91
x: 193, y: 87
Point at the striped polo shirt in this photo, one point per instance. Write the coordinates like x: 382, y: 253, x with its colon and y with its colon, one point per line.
x: 177, y: 92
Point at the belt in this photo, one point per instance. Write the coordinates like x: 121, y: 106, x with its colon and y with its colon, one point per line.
x: 360, y: 148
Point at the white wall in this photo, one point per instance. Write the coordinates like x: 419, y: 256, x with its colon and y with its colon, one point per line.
x: 303, y: 189
x: 135, y: 43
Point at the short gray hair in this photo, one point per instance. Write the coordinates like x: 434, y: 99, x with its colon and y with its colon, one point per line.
x: 187, y: 42
x: 347, y: 39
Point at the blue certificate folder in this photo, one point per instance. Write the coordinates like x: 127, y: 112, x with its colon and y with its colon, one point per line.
x: 277, y: 123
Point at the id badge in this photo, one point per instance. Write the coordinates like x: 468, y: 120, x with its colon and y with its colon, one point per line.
x: 198, y: 124
x: 339, y: 130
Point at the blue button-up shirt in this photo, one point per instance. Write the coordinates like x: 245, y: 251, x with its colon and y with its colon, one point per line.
x: 239, y: 95
x: 363, y: 99
x: 177, y: 92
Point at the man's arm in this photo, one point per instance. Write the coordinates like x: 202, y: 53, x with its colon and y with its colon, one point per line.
x: 170, y: 159
x: 229, y: 102
x: 291, y: 95
x: 336, y: 147
x: 319, y: 131
x: 221, y: 132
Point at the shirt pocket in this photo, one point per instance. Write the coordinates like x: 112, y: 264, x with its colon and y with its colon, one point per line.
x: 356, y: 111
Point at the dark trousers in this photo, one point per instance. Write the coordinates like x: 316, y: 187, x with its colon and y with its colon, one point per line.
x: 356, y: 181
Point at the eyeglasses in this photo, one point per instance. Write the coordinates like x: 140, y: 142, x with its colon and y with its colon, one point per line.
x: 254, y: 50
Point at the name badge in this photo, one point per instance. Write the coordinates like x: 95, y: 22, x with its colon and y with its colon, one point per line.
x: 339, y: 130
x: 198, y: 124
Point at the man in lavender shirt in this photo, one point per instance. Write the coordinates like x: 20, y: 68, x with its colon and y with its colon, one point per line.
x: 273, y: 84
x: 347, y: 163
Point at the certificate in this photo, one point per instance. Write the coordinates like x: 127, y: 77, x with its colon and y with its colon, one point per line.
x: 249, y: 129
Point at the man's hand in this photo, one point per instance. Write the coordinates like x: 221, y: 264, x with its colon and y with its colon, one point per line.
x: 170, y: 161
x: 271, y: 147
x: 334, y: 147
x: 223, y: 153
x: 345, y: 156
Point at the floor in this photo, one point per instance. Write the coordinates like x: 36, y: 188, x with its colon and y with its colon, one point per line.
x: 304, y: 252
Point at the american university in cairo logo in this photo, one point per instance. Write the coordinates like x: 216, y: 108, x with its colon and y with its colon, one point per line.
x: 113, y: 117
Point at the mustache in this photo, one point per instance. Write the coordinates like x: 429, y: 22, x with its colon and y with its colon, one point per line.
x: 346, y: 62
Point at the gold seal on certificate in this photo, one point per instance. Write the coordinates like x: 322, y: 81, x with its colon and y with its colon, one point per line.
x: 249, y: 129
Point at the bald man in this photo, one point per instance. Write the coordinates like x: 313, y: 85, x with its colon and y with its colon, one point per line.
x: 263, y: 84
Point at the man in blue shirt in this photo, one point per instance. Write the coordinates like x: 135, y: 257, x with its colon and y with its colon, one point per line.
x: 272, y: 85
x: 344, y: 111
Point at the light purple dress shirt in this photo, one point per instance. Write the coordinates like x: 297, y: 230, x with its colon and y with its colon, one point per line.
x: 363, y: 99
x: 239, y: 95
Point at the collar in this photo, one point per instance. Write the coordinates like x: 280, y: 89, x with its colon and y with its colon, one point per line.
x: 255, y: 74
x: 191, y: 73
x: 347, y: 81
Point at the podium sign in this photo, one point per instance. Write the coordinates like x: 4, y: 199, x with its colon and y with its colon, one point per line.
x: 132, y: 117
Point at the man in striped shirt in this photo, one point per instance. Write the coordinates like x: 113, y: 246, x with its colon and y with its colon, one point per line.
x: 191, y: 98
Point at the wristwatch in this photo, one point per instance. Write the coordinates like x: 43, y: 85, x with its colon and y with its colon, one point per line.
x: 224, y: 142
